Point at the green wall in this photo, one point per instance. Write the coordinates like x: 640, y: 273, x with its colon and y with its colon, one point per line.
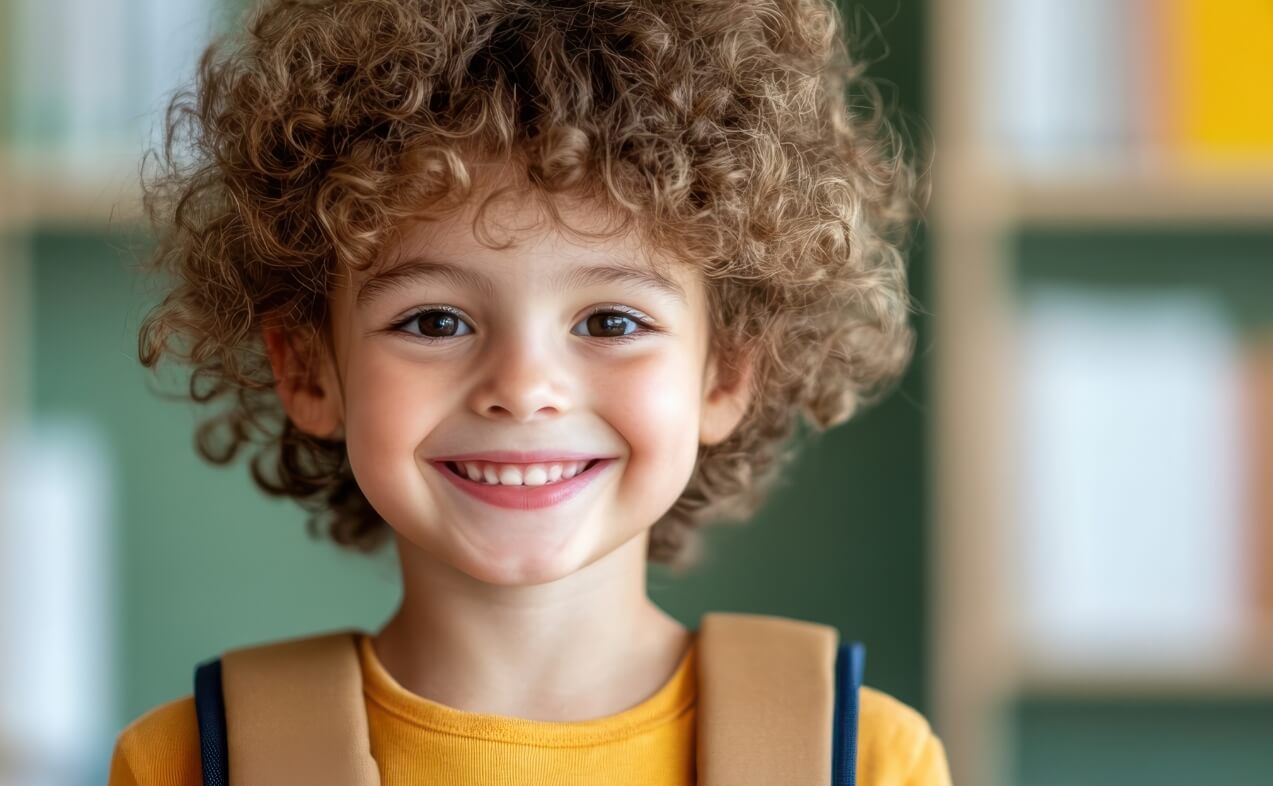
x: 1127, y: 741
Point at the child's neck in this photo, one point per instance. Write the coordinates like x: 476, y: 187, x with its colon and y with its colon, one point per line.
x: 587, y: 646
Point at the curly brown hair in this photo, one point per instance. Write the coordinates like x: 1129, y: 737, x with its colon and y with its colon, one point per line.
x: 737, y: 135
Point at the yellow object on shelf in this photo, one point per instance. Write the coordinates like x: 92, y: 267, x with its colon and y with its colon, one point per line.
x: 1220, y: 85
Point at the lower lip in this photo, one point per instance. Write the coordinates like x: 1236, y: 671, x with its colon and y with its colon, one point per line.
x: 526, y: 497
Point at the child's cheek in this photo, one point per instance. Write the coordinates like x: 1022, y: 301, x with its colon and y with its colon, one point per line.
x: 391, y: 407
x: 653, y: 403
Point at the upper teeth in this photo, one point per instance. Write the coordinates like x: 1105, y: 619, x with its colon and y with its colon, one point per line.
x: 519, y: 474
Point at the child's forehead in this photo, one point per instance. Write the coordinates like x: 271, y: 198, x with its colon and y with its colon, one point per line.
x: 518, y: 242
x: 503, y: 220
x: 514, y: 229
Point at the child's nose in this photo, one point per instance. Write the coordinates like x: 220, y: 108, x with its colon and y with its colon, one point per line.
x: 522, y: 381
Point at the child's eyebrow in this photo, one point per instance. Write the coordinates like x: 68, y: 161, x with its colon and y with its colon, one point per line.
x: 419, y: 269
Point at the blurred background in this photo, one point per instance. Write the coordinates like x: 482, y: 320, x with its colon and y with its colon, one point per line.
x: 1055, y: 538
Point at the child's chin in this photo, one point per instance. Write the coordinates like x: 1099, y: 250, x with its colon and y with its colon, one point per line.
x: 520, y: 573
x: 525, y: 566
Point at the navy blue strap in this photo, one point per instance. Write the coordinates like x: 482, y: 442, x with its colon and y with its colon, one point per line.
x: 209, y: 707
x: 850, y: 662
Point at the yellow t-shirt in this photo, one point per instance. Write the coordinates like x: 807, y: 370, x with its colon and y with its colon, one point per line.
x: 418, y: 741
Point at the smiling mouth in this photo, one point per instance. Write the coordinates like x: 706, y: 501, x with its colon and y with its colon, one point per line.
x: 519, y: 475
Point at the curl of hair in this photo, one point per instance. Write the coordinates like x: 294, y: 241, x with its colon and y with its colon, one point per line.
x: 737, y: 135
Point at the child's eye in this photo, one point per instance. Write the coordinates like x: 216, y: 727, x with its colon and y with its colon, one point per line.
x: 434, y: 323
x: 612, y: 322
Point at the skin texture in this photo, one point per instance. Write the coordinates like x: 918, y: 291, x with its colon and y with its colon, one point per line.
x: 539, y: 614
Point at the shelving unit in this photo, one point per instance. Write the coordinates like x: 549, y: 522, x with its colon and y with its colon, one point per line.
x: 978, y: 665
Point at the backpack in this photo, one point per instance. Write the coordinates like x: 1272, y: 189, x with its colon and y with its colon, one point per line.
x: 777, y: 703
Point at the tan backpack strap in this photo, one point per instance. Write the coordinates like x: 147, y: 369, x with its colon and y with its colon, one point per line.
x: 295, y: 714
x: 766, y: 700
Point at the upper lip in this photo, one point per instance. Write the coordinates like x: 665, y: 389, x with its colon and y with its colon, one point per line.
x: 523, y: 456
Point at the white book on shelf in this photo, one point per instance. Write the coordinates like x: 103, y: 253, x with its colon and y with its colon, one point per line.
x: 1131, y: 503
x: 70, y: 79
x: 1057, y: 84
x: 91, y: 78
x: 57, y: 585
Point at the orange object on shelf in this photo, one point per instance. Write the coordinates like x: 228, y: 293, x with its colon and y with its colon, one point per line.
x: 1259, y: 403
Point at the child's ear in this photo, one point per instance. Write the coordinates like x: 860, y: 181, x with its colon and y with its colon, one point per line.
x: 305, y: 382
x: 726, y: 397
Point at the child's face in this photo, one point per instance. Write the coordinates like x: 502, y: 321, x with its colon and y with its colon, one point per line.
x: 468, y: 351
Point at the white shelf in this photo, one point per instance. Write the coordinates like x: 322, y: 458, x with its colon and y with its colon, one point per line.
x: 1244, y: 671
x: 45, y: 189
x: 989, y: 197
x: 1171, y: 199
x: 1250, y: 678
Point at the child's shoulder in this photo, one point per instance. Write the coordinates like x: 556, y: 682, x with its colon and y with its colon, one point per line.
x: 160, y: 748
x: 896, y: 745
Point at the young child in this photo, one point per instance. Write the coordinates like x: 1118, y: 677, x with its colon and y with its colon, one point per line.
x: 534, y: 290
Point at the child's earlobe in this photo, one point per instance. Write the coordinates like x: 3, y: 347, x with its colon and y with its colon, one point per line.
x: 725, y: 401
x: 301, y: 389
